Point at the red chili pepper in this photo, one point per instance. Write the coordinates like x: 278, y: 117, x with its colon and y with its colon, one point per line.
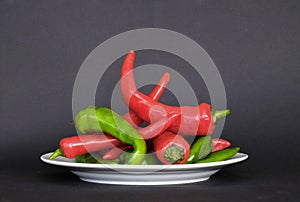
x: 158, y: 127
x: 155, y: 94
x: 115, y: 152
x: 220, y: 144
x: 73, y: 146
x: 77, y: 145
x: 148, y: 132
x: 171, y: 148
x: 198, y: 120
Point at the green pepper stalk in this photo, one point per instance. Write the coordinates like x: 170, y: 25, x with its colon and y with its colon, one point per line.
x: 174, y: 154
x: 171, y: 148
x: 218, y: 114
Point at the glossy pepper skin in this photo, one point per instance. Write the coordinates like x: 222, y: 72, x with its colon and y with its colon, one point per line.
x: 71, y: 147
x: 150, y: 158
x: 93, y: 158
x: 200, y: 149
x: 158, y: 127
x: 115, y: 152
x: 198, y: 120
x: 221, y: 155
x: 95, y: 119
x: 220, y: 144
x: 171, y: 148
x: 149, y: 132
x: 155, y: 94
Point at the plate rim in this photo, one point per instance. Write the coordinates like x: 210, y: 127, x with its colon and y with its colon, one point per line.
x: 239, y: 157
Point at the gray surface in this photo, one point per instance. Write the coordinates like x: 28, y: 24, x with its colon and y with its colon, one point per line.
x: 255, y: 45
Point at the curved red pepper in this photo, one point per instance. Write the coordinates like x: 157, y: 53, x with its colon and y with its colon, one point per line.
x: 171, y: 148
x: 220, y: 144
x: 198, y: 120
x: 155, y: 94
x: 158, y: 127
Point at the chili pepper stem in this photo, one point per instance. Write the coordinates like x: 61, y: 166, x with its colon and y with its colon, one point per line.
x: 174, y: 154
x: 57, y: 153
x: 217, y: 114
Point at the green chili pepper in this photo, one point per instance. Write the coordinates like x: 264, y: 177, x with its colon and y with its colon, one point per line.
x: 94, y: 119
x: 124, y: 155
x: 88, y: 158
x: 150, y: 158
x: 85, y: 158
x: 200, y: 149
x: 221, y: 155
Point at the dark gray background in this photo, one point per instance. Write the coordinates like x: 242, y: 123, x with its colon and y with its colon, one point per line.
x: 255, y: 45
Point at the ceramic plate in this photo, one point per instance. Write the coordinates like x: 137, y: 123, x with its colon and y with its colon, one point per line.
x: 142, y: 174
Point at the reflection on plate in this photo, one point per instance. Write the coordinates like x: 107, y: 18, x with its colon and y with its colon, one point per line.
x: 142, y: 174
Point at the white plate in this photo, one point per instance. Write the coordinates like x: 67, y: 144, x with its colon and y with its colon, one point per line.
x: 142, y: 174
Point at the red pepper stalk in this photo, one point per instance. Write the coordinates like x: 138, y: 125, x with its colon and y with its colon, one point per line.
x: 220, y: 144
x: 71, y: 147
x: 198, y: 120
x: 171, y: 148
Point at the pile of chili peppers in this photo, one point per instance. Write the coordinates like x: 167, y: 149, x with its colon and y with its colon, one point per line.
x: 106, y: 137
